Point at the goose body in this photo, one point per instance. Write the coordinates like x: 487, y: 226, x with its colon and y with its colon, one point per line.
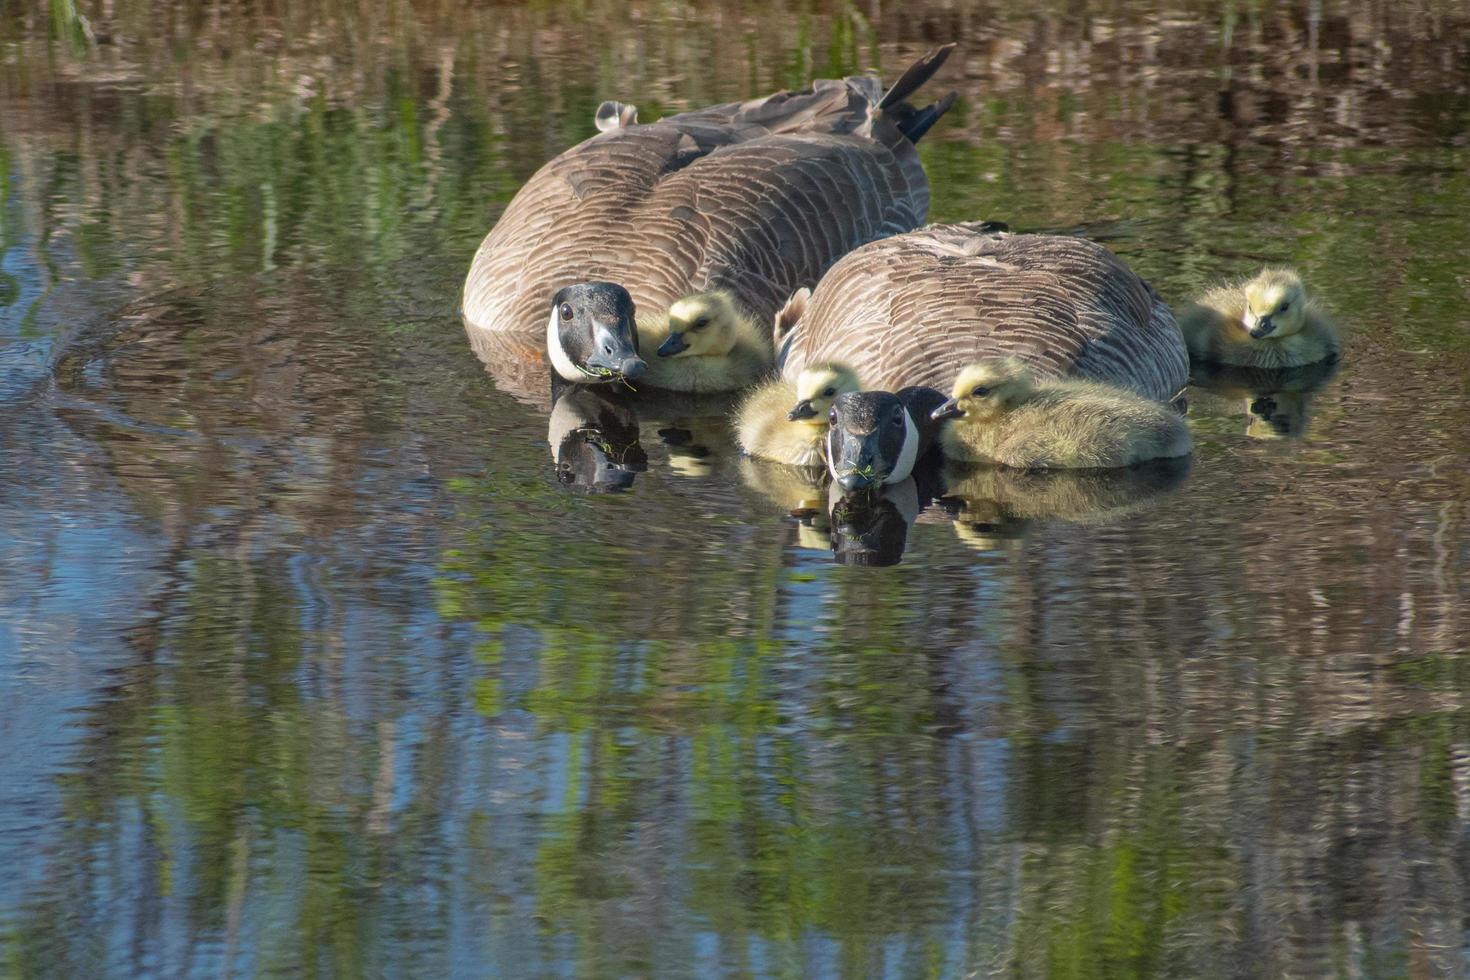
x: 754, y: 200
x: 916, y: 308
x: 1267, y: 321
x: 1000, y: 414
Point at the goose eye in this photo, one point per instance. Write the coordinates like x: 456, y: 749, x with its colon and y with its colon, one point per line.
x: 832, y: 416
x: 566, y: 311
x: 898, y: 418
x: 828, y: 392
x: 980, y: 391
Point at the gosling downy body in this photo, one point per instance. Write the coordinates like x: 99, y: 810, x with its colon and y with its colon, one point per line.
x: 874, y: 438
x: 723, y: 198
x: 1000, y: 414
x: 786, y: 422
x: 704, y: 343
x: 1267, y: 321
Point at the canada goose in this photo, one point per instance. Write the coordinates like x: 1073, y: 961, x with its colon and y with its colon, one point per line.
x: 705, y: 343
x: 754, y: 199
x: 916, y: 308
x: 1267, y: 321
x: 785, y: 421
x: 1000, y: 414
x: 874, y: 438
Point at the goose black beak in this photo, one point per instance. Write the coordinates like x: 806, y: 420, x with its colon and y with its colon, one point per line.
x: 803, y: 410
x: 850, y: 482
x: 673, y: 344
x: 616, y: 353
x: 949, y: 410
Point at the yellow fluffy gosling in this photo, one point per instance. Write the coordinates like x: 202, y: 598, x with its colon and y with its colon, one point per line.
x: 1001, y: 414
x: 704, y: 343
x: 1268, y: 321
x: 787, y: 422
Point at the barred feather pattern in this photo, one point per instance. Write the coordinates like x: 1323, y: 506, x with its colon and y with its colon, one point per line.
x: 916, y: 308
x: 758, y: 198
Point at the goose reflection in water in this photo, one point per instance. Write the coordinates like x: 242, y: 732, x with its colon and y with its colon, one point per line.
x: 993, y: 505
x: 594, y: 439
x: 1278, y: 401
x: 871, y: 527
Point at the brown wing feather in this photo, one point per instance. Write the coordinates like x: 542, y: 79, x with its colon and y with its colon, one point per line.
x: 916, y: 308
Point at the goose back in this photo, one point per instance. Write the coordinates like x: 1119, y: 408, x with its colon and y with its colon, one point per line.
x: 916, y: 308
x: 758, y: 198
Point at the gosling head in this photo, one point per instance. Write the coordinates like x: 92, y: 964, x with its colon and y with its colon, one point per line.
x: 987, y: 390
x: 702, y: 325
x: 816, y: 388
x: 871, y: 440
x: 591, y: 335
x: 1275, y: 304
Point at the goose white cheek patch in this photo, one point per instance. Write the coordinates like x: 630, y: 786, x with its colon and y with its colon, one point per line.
x: 564, y: 365
x: 910, y: 451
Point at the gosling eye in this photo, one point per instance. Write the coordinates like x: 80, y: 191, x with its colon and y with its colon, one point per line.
x: 699, y: 324
x: 981, y: 391
x: 828, y: 392
x: 1283, y: 308
x: 566, y: 311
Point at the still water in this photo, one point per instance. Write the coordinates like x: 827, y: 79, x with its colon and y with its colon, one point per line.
x: 310, y: 664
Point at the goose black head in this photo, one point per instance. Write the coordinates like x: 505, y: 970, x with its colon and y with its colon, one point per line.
x: 871, y: 440
x: 592, y: 336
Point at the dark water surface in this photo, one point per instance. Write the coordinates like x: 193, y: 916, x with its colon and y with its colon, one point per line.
x: 309, y: 665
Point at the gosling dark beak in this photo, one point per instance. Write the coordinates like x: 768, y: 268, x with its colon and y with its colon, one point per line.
x: 803, y: 410
x: 616, y: 352
x: 672, y: 345
x: 1263, y: 328
x: 949, y: 410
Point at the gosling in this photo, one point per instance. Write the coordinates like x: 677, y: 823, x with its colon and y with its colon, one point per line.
x: 1001, y: 414
x: 786, y: 422
x: 705, y: 343
x: 1268, y: 322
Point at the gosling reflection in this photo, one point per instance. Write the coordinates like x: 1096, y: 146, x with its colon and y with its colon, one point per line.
x: 994, y: 505
x: 594, y: 439
x: 798, y: 490
x: 1278, y: 401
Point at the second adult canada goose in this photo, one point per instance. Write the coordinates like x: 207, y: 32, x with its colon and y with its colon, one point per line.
x: 916, y: 308
x: 755, y: 200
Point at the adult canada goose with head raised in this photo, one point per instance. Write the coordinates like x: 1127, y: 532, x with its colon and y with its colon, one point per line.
x: 747, y: 201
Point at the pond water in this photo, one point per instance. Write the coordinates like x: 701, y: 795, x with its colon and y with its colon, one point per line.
x: 310, y: 664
